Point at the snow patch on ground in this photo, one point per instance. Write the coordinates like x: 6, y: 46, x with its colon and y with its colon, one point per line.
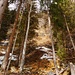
x: 43, y: 48
x: 48, y: 53
x: 14, y: 58
x: 46, y: 56
x: 1, y: 58
x: 4, y: 42
x: 2, y: 52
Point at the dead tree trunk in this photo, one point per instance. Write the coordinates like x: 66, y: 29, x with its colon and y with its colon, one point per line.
x: 3, y: 4
x: 72, y: 67
x: 69, y: 33
x: 12, y: 51
x: 51, y: 36
x: 6, y: 58
x: 25, y: 42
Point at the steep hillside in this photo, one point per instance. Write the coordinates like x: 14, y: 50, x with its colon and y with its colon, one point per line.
x: 43, y: 36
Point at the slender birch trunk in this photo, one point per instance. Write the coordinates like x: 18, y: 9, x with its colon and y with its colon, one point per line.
x: 21, y: 49
x: 13, y: 48
x: 3, y: 4
x: 25, y: 42
x: 6, y: 58
x: 51, y: 36
x: 72, y: 68
x: 69, y: 33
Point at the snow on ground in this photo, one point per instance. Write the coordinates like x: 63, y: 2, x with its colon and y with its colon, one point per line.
x: 4, y: 42
x: 43, y: 48
x: 14, y: 57
x: 0, y: 62
x: 48, y: 54
x: 1, y: 58
x: 2, y: 52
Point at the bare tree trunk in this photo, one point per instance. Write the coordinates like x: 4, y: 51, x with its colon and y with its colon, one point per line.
x: 25, y: 42
x: 3, y: 4
x: 21, y: 50
x: 69, y: 33
x: 51, y: 36
x: 6, y: 58
x: 21, y: 47
x: 13, y: 48
x: 72, y: 67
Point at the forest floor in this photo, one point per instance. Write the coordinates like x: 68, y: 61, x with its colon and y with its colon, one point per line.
x: 40, y: 60
x: 39, y: 63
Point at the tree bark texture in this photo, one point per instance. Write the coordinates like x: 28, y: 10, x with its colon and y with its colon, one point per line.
x: 6, y: 58
x: 53, y: 49
x: 67, y: 27
x: 25, y: 42
x: 3, y: 4
x: 72, y: 67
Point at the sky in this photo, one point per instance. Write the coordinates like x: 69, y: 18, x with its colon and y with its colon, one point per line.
x: 13, y: 6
